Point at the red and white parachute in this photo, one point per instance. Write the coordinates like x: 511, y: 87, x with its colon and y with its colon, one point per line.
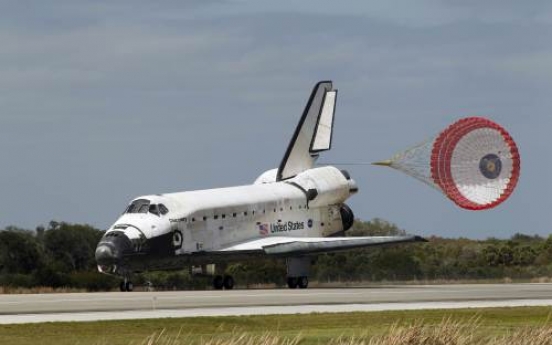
x: 474, y: 162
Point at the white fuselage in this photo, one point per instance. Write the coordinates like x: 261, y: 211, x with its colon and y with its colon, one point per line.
x: 213, y: 219
x: 291, y: 212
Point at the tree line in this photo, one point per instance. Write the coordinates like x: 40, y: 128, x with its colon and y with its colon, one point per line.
x: 62, y: 255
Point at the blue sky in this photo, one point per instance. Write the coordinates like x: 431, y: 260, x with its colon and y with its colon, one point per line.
x: 102, y: 101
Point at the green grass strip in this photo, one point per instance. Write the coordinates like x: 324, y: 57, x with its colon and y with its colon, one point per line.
x: 312, y: 328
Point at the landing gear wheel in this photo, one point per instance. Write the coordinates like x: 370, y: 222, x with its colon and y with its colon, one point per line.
x: 218, y: 283
x: 228, y: 282
x: 303, y: 282
x: 126, y: 286
x: 292, y: 282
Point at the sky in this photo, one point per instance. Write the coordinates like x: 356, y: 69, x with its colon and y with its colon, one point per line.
x: 103, y: 101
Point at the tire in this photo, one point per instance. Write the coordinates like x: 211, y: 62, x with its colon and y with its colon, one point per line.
x: 303, y: 282
x: 122, y: 286
x: 218, y: 283
x: 228, y: 282
x: 129, y: 286
x: 292, y: 282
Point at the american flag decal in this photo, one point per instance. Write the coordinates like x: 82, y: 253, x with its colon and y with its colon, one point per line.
x: 263, y: 229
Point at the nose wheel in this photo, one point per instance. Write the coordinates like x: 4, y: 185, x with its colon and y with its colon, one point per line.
x: 126, y: 286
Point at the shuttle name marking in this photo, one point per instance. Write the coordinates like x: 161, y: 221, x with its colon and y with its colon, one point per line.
x: 284, y: 227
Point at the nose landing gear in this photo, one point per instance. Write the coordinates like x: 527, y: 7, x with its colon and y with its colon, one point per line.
x: 126, y: 286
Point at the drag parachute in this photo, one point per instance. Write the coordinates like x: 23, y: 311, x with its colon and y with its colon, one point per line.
x: 474, y: 162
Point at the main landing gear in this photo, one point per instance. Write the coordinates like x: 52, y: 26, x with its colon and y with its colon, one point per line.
x: 297, y: 272
x: 298, y: 282
x: 220, y: 282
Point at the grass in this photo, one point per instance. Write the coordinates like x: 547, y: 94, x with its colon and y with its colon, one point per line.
x: 338, y: 328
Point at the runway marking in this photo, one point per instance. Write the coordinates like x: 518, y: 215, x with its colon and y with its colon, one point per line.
x: 75, y: 304
x: 267, y: 310
x: 161, y: 296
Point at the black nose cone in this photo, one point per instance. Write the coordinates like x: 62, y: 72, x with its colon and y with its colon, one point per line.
x: 112, y: 247
x: 105, y: 253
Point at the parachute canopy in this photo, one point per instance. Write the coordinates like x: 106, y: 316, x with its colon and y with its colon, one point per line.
x: 474, y: 162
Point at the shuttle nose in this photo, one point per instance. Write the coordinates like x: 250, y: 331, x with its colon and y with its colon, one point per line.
x: 105, y: 254
x: 111, y: 248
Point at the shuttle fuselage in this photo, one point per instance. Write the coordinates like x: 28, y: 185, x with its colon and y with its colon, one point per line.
x: 293, y: 211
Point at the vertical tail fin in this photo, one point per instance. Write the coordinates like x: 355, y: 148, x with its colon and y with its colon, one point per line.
x: 313, y: 133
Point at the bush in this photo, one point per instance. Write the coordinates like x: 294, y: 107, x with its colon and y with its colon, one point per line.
x: 92, y: 281
x: 17, y: 280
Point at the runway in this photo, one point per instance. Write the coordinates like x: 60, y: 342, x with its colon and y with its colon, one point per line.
x: 140, y: 305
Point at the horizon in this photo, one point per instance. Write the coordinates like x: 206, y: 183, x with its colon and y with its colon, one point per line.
x: 535, y: 235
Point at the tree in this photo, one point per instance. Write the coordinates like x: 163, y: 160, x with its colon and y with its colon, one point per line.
x: 375, y: 227
x: 72, y: 246
x: 20, y: 252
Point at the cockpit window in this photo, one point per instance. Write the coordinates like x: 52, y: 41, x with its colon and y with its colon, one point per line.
x: 138, y: 206
x: 144, y: 206
x: 163, y: 209
x: 153, y: 209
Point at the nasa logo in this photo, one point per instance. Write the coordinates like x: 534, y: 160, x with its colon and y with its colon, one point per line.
x: 309, y: 223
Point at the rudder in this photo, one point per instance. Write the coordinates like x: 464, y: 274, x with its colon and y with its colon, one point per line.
x: 313, y: 133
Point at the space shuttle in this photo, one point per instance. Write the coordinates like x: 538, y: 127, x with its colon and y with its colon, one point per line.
x: 294, y: 212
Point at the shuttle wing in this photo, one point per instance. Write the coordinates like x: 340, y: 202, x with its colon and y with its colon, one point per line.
x: 311, y: 245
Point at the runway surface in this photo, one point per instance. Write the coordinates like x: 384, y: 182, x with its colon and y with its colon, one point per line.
x: 140, y: 305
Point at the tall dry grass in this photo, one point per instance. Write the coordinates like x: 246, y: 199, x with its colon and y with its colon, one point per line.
x: 447, y: 332
x: 235, y: 339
